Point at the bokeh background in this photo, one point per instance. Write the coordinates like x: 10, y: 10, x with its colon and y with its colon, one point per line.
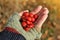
x: 51, y: 27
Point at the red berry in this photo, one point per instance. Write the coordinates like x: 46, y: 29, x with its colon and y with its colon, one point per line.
x: 27, y: 29
x: 25, y: 14
x: 28, y: 18
x: 28, y: 22
x: 31, y: 26
x: 24, y: 24
x: 35, y: 16
x: 31, y: 15
x: 23, y: 17
x: 33, y: 19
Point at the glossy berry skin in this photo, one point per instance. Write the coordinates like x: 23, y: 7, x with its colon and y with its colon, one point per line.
x: 33, y: 19
x: 24, y: 24
x: 28, y: 18
x: 30, y: 26
x: 25, y: 14
x: 35, y: 16
x: 28, y: 22
x: 27, y: 29
x: 23, y: 17
x: 31, y: 15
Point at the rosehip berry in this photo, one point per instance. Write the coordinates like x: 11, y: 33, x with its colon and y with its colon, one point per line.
x: 23, y: 17
x: 27, y: 29
x: 35, y: 16
x: 28, y: 18
x: 30, y: 26
x: 31, y: 15
x: 24, y: 24
x: 33, y: 19
x: 28, y: 22
x: 25, y: 14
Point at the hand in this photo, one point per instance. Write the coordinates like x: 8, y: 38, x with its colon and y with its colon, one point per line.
x: 42, y: 16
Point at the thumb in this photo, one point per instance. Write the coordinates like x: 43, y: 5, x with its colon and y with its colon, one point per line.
x: 21, y: 13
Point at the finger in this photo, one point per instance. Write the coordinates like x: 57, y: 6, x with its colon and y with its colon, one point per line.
x: 39, y: 25
x: 43, y: 11
x: 41, y: 21
x: 46, y: 11
x: 42, y: 17
x: 35, y: 11
x: 21, y: 13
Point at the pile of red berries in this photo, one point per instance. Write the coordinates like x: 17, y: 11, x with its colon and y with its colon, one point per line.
x: 27, y: 20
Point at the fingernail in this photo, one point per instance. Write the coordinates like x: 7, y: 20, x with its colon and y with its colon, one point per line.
x: 38, y: 8
x: 46, y: 11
